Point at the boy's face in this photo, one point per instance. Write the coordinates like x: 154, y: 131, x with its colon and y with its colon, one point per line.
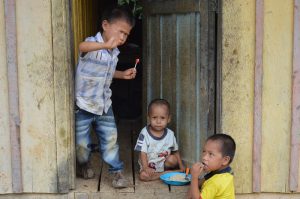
x: 117, y: 29
x: 159, y: 117
x: 212, y: 157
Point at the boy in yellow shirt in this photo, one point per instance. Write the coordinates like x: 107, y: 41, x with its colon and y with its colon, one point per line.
x: 217, y: 155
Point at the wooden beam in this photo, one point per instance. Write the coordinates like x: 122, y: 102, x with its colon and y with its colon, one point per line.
x: 13, y: 93
x: 258, y: 96
x: 177, y: 6
x: 295, y: 135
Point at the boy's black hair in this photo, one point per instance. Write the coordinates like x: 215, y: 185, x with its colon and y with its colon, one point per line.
x: 228, y: 144
x: 116, y: 13
x: 159, y: 101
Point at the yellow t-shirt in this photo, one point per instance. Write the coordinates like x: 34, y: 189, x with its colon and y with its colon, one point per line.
x: 219, y: 186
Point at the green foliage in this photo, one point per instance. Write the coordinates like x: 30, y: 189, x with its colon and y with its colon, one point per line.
x: 135, y: 6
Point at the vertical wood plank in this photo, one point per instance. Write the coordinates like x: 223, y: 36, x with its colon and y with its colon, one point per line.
x: 71, y: 100
x: 156, y: 53
x: 184, y: 84
x: 74, y: 7
x: 5, y: 147
x: 202, y: 90
x: 193, y: 82
x: 238, y: 62
x: 276, y: 96
x: 219, y: 68
x: 61, y: 66
x: 295, y: 133
x: 146, y: 66
x: 36, y: 77
x: 168, y: 67
x: 13, y: 94
x: 210, y: 19
x: 258, y: 96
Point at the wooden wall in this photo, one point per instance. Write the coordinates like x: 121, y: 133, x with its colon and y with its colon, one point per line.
x: 5, y: 150
x: 256, y: 113
x: 177, y: 68
x: 44, y: 126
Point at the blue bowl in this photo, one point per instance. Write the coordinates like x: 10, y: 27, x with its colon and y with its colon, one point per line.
x: 166, y: 179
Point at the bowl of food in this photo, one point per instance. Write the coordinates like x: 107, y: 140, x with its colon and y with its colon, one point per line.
x: 175, y: 178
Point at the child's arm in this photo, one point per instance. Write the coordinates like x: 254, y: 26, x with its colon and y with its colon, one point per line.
x: 126, y: 74
x: 196, y: 171
x: 177, y: 155
x: 88, y: 46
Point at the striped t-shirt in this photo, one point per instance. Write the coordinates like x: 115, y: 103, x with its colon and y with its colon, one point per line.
x: 94, y: 75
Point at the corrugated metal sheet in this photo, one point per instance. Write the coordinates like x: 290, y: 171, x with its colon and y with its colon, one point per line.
x: 176, y: 68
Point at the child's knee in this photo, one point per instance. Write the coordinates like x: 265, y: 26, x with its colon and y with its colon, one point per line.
x: 82, y: 154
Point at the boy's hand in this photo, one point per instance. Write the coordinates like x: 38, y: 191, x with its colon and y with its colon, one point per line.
x: 197, y: 169
x: 129, y: 73
x: 111, y: 43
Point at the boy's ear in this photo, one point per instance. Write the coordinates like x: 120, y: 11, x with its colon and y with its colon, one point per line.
x: 105, y: 24
x: 226, y: 160
x: 169, y: 120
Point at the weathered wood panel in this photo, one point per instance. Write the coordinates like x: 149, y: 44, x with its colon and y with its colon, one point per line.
x: 62, y: 98
x: 185, y: 83
x: 276, y: 97
x: 13, y: 93
x: 168, y: 63
x: 238, y: 47
x: 176, y: 62
x: 257, y: 125
x: 36, y: 77
x: 171, y: 6
x: 5, y: 150
x: 155, y: 52
x: 295, y: 133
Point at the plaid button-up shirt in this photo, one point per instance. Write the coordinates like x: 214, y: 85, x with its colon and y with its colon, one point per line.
x: 94, y: 75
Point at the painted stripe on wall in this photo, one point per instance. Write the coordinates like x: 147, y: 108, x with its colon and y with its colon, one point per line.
x: 13, y: 93
x: 258, y: 96
x: 295, y: 134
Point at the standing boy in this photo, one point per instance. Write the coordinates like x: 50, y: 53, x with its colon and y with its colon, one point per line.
x: 96, y: 68
x: 157, y: 144
x: 217, y: 155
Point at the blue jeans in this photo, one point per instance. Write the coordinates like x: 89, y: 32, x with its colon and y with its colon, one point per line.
x: 106, y: 131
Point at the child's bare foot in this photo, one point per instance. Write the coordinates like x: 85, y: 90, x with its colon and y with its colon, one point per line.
x: 146, y: 177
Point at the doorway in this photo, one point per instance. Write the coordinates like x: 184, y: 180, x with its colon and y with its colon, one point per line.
x: 126, y: 94
x: 179, y: 63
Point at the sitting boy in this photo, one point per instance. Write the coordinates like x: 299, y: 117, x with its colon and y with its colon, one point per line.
x: 217, y: 155
x: 157, y: 144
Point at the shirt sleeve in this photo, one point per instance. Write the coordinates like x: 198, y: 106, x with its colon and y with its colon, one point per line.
x: 82, y: 54
x: 209, y: 191
x: 141, y: 143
